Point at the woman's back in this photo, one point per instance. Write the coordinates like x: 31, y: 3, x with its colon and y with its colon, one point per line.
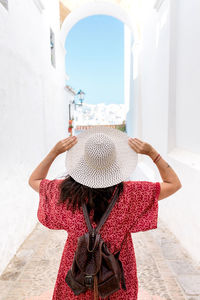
x: 135, y: 210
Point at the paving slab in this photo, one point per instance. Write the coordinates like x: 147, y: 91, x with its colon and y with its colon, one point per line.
x: 190, y: 283
x: 165, y: 270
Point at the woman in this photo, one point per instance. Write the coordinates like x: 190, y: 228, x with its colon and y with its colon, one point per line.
x: 98, y: 160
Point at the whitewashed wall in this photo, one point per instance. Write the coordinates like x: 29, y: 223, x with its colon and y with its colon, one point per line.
x: 169, y: 99
x: 33, y: 112
x: 127, y: 72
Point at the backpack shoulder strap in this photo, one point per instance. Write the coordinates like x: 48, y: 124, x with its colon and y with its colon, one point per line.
x: 105, y: 215
x: 108, y: 211
x: 87, y: 218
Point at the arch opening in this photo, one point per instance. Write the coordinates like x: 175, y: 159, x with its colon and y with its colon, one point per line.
x: 132, y: 39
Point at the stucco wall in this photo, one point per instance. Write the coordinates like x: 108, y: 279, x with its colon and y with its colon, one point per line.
x: 187, y: 76
x: 169, y: 77
x: 128, y: 78
x: 33, y: 109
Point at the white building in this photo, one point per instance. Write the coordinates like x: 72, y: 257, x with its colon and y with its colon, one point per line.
x: 34, y: 109
x: 162, y: 55
x: 99, y: 114
x: 167, y: 108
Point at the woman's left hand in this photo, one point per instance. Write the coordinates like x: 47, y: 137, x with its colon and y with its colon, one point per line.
x: 64, y: 145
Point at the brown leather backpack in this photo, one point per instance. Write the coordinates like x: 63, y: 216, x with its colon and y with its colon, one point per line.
x: 94, y: 267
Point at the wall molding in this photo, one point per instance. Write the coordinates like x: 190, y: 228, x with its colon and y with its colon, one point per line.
x: 4, y: 3
x: 39, y: 5
x: 172, y: 76
x: 158, y: 4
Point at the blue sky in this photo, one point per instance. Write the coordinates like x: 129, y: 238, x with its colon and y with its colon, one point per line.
x: 95, y: 59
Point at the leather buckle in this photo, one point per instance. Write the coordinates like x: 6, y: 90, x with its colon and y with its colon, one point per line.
x: 89, y: 280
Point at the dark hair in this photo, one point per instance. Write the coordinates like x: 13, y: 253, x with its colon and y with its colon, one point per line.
x: 75, y: 193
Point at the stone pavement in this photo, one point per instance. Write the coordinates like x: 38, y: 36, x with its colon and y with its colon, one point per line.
x: 165, y: 271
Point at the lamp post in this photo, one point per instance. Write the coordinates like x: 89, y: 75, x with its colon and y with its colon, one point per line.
x: 80, y: 95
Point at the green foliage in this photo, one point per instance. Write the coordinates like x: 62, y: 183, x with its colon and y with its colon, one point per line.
x: 121, y: 127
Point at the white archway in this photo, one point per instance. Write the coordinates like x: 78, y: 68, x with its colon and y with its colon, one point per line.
x: 96, y: 8
x: 116, y: 11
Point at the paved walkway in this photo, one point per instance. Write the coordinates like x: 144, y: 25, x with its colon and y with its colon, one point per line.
x: 164, y: 269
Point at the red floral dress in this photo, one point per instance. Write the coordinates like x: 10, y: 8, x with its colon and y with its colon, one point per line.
x: 135, y: 210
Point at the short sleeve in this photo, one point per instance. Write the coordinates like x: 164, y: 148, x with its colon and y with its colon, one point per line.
x: 49, y: 212
x: 143, y: 206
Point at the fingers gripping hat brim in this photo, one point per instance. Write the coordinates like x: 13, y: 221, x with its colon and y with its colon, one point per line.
x: 119, y: 170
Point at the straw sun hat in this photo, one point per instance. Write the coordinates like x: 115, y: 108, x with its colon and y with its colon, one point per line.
x: 101, y: 157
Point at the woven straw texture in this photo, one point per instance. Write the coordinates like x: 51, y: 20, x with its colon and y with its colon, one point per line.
x: 101, y: 157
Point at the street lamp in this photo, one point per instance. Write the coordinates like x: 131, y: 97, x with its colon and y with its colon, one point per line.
x: 80, y: 94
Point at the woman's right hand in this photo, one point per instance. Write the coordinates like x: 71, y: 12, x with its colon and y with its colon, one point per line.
x: 140, y: 146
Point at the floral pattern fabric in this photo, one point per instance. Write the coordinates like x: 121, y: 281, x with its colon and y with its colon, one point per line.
x: 135, y: 210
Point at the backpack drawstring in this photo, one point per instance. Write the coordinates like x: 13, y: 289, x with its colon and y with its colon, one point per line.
x: 96, y: 294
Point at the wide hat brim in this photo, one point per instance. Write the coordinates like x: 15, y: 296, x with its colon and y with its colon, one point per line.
x: 120, y: 170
